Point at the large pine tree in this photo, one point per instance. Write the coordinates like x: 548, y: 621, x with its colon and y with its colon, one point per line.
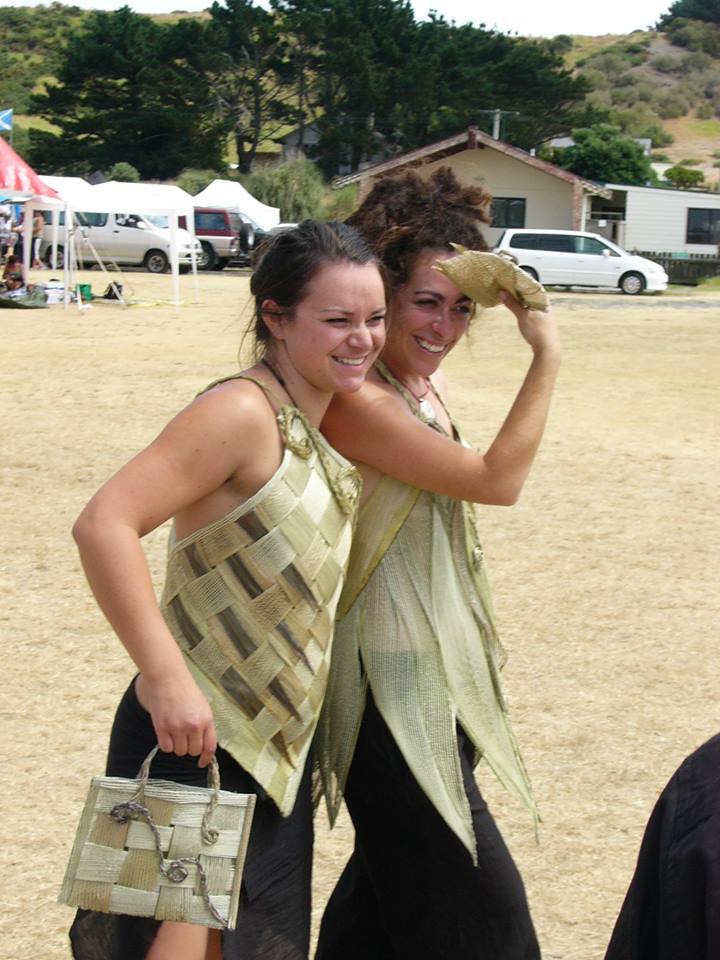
x: 124, y: 93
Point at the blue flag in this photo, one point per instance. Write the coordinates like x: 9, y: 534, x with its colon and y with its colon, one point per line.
x: 6, y: 118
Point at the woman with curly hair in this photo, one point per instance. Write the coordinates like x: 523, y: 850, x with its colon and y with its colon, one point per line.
x: 414, y: 698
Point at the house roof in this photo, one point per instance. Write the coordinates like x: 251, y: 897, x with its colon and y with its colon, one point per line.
x: 470, y: 139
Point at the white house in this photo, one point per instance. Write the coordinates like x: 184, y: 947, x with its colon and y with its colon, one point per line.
x: 656, y: 220
x: 529, y: 192
x: 526, y: 191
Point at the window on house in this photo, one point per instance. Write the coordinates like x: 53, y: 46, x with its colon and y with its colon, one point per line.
x: 703, y: 226
x: 508, y: 212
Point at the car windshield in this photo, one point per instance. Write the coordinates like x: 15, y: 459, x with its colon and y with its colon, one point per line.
x: 157, y: 220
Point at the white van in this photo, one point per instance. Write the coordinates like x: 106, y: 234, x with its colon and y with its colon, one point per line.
x: 575, y: 259
x: 128, y: 239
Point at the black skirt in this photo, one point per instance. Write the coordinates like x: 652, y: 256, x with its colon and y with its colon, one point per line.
x: 274, y: 918
x: 410, y: 890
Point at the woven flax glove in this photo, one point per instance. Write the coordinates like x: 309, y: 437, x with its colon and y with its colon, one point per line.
x: 481, y: 276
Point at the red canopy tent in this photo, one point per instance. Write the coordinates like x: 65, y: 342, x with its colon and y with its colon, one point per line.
x: 17, y: 178
x: 19, y: 182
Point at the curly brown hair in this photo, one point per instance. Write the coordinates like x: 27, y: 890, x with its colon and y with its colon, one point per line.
x: 402, y: 216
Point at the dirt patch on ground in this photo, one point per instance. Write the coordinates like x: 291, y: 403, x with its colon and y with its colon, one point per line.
x: 605, y: 577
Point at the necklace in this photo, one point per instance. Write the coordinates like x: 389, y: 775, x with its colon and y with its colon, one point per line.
x: 266, y: 363
x: 424, y: 405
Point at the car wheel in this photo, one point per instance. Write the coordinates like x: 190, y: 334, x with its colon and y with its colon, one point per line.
x: 156, y: 261
x: 530, y: 272
x: 207, y: 257
x: 632, y: 284
x: 59, y: 260
x: 247, y: 238
x: 221, y: 263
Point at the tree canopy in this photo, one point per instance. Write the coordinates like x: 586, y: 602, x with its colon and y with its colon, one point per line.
x: 370, y: 79
x: 603, y: 153
x: 123, y: 92
x: 707, y: 10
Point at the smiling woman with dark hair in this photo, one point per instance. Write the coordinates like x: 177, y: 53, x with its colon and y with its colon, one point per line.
x: 235, y: 656
x: 414, y: 697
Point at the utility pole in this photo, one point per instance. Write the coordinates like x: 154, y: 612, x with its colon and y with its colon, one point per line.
x: 497, y: 115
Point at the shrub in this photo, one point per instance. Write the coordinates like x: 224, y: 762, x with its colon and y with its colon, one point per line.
x: 644, y: 91
x: 561, y: 43
x: 683, y: 177
x: 643, y: 124
x: 608, y: 62
x: 339, y: 204
x: 296, y: 186
x: 694, y: 35
x: 670, y: 105
x: 705, y: 111
x: 664, y: 63
x: 625, y: 80
x: 693, y: 62
x: 125, y: 172
x: 597, y: 79
x: 619, y: 97
x: 192, y: 181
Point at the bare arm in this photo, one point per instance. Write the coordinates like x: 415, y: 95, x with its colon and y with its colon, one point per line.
x: 375, y: 427
x: 203, y: 457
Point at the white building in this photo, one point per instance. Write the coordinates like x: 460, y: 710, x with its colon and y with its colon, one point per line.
x: 526, y: 191
x: 656, y: 220
x: 529, y: 192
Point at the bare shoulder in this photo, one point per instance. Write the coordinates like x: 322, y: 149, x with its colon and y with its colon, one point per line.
x: 228, y: 407
x: 352, y: 416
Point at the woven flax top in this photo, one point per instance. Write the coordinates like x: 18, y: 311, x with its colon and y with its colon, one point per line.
x: 251, y: 601
x: 416, y: 612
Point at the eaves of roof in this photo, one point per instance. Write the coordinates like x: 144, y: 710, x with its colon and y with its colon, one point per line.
x: 471, y: 139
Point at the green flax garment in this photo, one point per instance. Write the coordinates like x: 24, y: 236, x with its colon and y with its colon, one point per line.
x: 251, y: 601
x: 415, y: 622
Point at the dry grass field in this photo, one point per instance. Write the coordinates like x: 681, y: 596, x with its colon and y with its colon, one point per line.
x: 605, y: 576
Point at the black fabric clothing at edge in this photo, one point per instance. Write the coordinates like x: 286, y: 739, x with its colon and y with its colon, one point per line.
x: 274, y: 918
x: 410, y: 890
x: 672, y: 907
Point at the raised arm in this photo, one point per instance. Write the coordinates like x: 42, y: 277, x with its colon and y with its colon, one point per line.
x: 375, y: 427
x: 202, y: 464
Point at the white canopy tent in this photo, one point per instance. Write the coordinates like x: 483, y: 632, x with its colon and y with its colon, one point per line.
x: 75, y: 194
x: 231, y: 194
x: 116, y: 197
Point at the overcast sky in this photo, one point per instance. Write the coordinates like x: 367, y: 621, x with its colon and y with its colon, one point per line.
x: 525, y: 17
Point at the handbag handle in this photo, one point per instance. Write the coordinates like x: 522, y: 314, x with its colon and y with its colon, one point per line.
x: 209, y: 833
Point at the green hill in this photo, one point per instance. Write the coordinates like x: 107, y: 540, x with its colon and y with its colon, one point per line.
x: 658, y: 89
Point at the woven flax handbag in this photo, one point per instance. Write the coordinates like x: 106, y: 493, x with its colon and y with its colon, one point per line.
x: 152, y: 848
